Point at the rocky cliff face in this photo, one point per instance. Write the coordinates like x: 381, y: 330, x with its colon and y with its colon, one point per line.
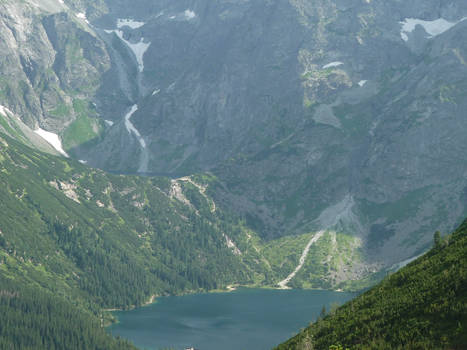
x: 312, y: 114
x: 375, y: 150
x: 51, y: 66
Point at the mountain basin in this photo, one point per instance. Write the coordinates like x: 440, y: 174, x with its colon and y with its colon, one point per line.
x: 243, y: 319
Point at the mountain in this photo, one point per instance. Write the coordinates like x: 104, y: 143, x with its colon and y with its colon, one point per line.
x: 78, y: 241
x: 422, y: 306
x: 292, y: 143
x: 311, y: 115
x: 94, y: 236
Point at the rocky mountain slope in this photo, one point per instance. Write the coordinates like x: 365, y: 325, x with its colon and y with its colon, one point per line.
x: 312, y: 115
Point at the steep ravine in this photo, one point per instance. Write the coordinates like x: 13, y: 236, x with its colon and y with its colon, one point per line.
x: 144, y: 157
x: 128, y: 71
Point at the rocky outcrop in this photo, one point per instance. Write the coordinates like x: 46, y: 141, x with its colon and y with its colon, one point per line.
x: 51, y: 65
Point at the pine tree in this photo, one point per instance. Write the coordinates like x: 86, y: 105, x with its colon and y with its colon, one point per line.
x: 437, y: 240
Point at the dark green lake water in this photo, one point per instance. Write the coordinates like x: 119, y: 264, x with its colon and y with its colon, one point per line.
x: 242, y: 320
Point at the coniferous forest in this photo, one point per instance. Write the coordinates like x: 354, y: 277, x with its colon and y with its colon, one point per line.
x: 31, y: 319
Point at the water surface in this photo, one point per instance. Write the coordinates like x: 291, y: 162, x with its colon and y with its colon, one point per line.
x: 242, y: 320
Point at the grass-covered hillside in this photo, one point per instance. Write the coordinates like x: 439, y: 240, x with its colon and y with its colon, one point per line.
x: 422, y: 306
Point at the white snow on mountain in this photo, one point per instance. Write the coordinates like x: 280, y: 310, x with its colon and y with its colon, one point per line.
x: 333, y: 64
x: 433, y: 28
x: 4, y: 111
x: 138, y: 48
x: 189, y: 14
x: 53, y: 139
x: 121, y: 22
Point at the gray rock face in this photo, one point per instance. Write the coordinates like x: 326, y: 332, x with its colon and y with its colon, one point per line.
x: 51, y: 66
x: 221, y: 71
x: 312, y: 114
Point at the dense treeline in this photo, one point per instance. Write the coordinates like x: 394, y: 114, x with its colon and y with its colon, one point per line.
x: 109, y: 275
x: 422, y: 306
x: 35, y: 320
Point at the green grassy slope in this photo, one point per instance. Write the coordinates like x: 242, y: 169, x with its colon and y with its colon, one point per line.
x: 422, y: 306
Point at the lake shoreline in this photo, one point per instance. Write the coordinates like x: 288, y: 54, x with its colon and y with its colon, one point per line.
x: 234, y: 316
x: 228, y: 289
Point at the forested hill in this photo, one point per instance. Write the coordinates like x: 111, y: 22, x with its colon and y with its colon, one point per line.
x: 422, y: 306
x: 74, y: 241
x: 31, y: 319
x: 111, y: 241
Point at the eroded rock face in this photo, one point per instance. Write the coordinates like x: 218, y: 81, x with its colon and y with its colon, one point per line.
x: 312, y: 114
x: 51, y: 65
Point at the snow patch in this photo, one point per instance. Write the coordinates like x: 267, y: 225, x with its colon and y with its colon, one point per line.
x: 138, y: 49
x: 189, y: 14
x: 83, y: 161
x: 185, y: 15
x: 155, y: 92
x: 362, y: 82
x: 4, y: 111
x: 333, y: 64
x: 433, y: 28
x: 144, y: 159
x: 82, y: 16
x: 121, y: 22
x: 109, y: 122
x: 53, y: 139
x: 131, y: 128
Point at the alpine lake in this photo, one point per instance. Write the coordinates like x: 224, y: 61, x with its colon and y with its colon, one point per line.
x: 244, y: 319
